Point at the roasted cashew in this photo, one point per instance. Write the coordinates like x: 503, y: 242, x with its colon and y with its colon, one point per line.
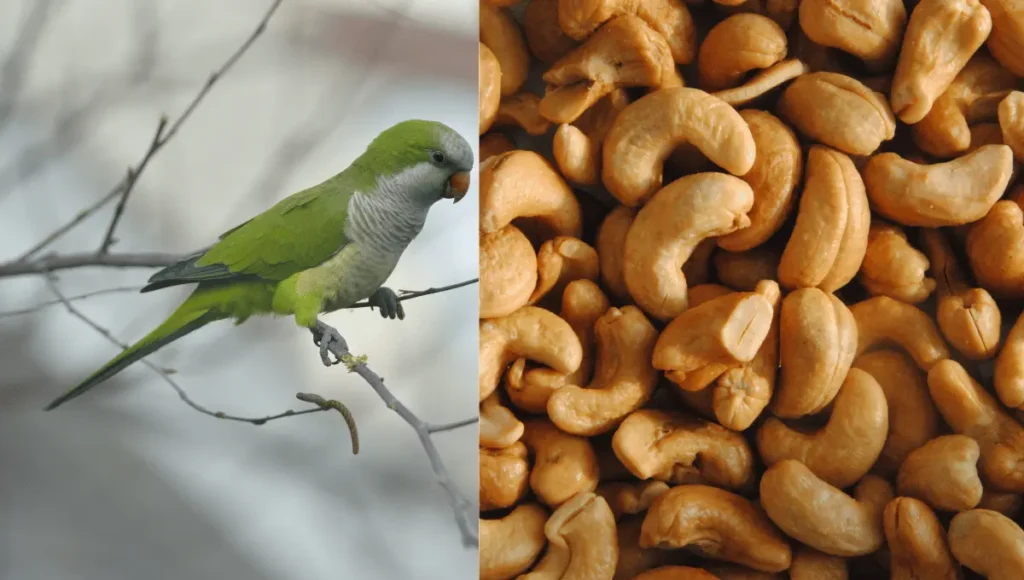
x: 1011, y: 123
x: 821, y: 516
x: 882, y: 321
x: 913, y: 418
x: 647, y: 131
x: 838, y: 111
x: 917, y: 542
x: 630, y: 498
x: 625, y: 52
x: 490, y: 88
x: 493, y: 144
x: 499, y: 427
x: 676, y: 573
x: 529, y: 332
x: 830, y: 237
x: 995, y: 249
x: 678, y: 448
x: 868, y: 29
x: 667, y: 229
x: 943, y: 473
x: 1008, y: 377
x: 968, y: 317
x: 843, y: 451
x: 582, y: 541
x: 670, y: 18
x: 611, y: 249
x: 737, y: 45
x: 763, y: 82
x: 577, y: 147
x: 953, y: 193
x: 1008, y: 504
x: 508, y: 546
x: 562, y: 260
x: 810, y: 564
x: 894, y: 268
x: 508, y: 272
x: 941, y: 36
x: 1006, y: 42
x: 563, y: 464
x: 970, y: 410
x: 744, y: 270
x: 989, y: 543
x: 971, y: 98
x: 984, y: 134
x: 817, y: 345
x: 522, y: 110
x: 544, y: 36
x: 633, y: 559
x: 624, y: 378
x: 500, y: 32
x: 523, y: 186
x: 718, y: 524
x: 774, y: 178
x: 504, y: 476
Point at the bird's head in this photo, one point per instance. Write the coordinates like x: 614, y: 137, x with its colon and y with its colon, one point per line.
x: 426, y: 159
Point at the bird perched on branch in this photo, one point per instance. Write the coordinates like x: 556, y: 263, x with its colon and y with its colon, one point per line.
x: 318, y: 250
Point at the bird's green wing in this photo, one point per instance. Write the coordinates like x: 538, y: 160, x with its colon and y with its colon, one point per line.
x: 298, y: 233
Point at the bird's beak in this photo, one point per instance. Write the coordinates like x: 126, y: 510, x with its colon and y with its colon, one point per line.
x: 458, y: 185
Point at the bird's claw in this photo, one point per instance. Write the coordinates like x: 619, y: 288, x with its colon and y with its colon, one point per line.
x: 325, y: 337
x: 388, y: 302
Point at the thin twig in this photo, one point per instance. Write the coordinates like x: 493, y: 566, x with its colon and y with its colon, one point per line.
x: 55, y: 262
x: 124, y: 186
x: 465, y: 514
x: 410, y: 294
x: 129, y: 184
x: 75, y: 298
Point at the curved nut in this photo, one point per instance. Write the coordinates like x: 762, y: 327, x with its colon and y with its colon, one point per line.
x: 545, y: 38
x: 676, y: 573
x: 647, y: 131
x: 499, y: 428
x: 940, y: 38
x: 871, y: 30
x: 995, y: 250
x: 490, y: 88
x: 830, y: 237
x: 504, y: 476
x: 970, y: 410
x: 560, y: 261
x: 969, y: 318
x: 894, y: 268
x: 623, y: 376
x: 838, y: 111
x: 844, y: 450
x: 989, y: 543
x: 724, y: 332
x: 810, y: 564
x: 670, y: 18
x: 821, y: 516
x: 1011, y: 123
x: 625, y: 52
x: 883, y: 321
x: 917, y: 542
x: 493, y: 144
x: 943, y: 473
x: 971, y: 98
x: 522, y: 185
x: 631, y: 498
x: 737, y: 45
x: 529, y: 332
x: 508, y: 546
x: 774, y: 177
x: 522, y: 110
x: 500, y: 32
x: 508, y: 272
x: 667, y: 229
x: 677, y: 448
x: 582, y: 542
x: 817, y: 344
x: 744, y: 270
x: 1006, y: 41
x: 718, y: 524
x: 563, y: 466
x: 577, y: 147
x: 913, y: 418
x: 763, y: 82
x: 1009, y: 370
x: 611, y: 249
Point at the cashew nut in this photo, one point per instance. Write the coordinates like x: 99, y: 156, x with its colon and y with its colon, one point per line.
x: 633, y: 559
x: 894, y: 268
x: 719, y: 524
x: 1009, y: 370
x: 508, y: 272
x: 810, y: 564
x: 522, y: 110
x: 544, y: 36
x: 563, y: 465
x: 499, y: 428
x: 611, y: 248
x: 678, y: 448
x: 733, y: 572
x: 989, y: 543
x: 523, y: 186
x: 504, y: 476
x: 868, y: 29
x: 577, y: 147
x: 1008, y: 504
x: 737, y: 45
x: 500, y: 32
x: 630, y: 498
x: 943, y: 473
x: 676, y: 573
x: 744, y: 270
x: 843, y: 451
x: 493, y: 144
x: 582, y: 541
x: 647, y: 131
x: 1011, y: 123
x: 560, y: 261
x: 821, y: 516
x: 667, y: 229
x: 490, y: 88
x: 995, y: 249
x: 670, y: 18
x: 763, y: 82
x: 508, y: 546
x: 882, y: 321
x: 917, y: 542
x: 623, y: 376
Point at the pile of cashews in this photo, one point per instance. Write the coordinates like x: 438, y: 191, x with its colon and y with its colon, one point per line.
x: 751, y: 280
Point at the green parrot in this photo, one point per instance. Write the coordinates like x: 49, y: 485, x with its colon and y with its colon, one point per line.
x: 318, y: 250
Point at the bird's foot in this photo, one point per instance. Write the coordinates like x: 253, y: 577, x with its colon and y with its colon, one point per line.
x: 388, y: 302
x: 326, y: 337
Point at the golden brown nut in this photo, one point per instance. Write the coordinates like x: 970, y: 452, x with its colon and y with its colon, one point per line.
x: 868, y: 29
x: 676, y: 573
x: 1009, y: 370
x: 943, y: 473
x: 894, y: 268
x: 810, y: 564
x: 670, y: 18
x: 630, y: 498
x: 508, y: 272
x: 882, y: 321
x: 611, y: 249
x: 718, y: 524
x: 1008, y: 504
x: 545, y: 38
x: 577, y: 147
x: 582, y: 542
x: 501, y: 34
x: 499, y: 428
x: 1006, y: 42
x: 508, y: 546
x: 493, y: 144
x: 562, y: 260
x: 1011, y: 123
x: 563, y: 465
x: 995, y: 249
x: 633, y: 559
x: 917, y: 542
x: 504, y: 476
x: 547, y: 205
x: 522, y: 110
x: 989, y: 543
x: 490, y: 88
x: 763, y: 82
x: 737, y: 45
x: 744, y: 270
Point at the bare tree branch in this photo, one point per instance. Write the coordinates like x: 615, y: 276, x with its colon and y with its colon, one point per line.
x: 55, y: 262
x: 125, y: 186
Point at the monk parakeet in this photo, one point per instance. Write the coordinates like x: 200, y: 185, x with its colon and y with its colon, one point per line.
x: 319, y: 250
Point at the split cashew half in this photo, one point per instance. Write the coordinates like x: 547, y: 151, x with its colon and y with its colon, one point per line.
x: 917, y: 542
x: 582, y: 542
x: 868, y: 29
x: 509, y: 546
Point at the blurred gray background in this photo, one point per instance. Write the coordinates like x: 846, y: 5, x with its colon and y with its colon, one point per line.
x: 128, y: 482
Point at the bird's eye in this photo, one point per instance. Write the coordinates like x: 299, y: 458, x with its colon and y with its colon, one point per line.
x: 437, y: 156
